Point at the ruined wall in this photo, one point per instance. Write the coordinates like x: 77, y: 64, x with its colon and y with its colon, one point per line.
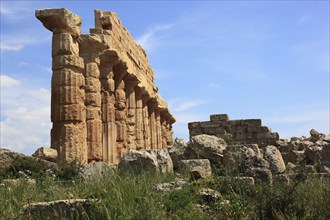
x: 248, y: 131
x: 104, y: 100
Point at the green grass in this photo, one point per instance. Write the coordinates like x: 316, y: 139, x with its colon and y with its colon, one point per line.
x: 128, y: 196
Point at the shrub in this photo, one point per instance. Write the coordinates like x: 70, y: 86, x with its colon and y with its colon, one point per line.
x: 25, y: 167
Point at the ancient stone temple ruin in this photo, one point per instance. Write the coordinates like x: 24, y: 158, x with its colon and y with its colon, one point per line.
x: 248, y: 131
x: 103, y: 97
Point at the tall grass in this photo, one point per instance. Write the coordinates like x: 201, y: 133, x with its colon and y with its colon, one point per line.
x: 129, y: 196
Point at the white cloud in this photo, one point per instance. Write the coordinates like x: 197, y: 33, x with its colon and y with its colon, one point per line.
x: 15, y: 11
x: 300, y: 117
x: 7, y: 81
x: 16, y: 42
x: 181, y: 104
x: 213, y: 85
x: 152, y: 37
x: 296, y: 125
x: 11, y: 47
x: 25, y: 124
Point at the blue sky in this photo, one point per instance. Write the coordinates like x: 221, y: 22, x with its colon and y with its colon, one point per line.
x: 251, y: 59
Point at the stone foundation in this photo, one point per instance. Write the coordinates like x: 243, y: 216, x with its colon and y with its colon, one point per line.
x: 104, y: 100
x: 249, y: 131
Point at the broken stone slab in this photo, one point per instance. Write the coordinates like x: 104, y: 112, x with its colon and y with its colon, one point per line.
x: 94, y: 170
x: 60, y: 20
x: 138, y: 162
x: 315, y: 134
x: 181, y: 151
x: 164, y: 161
x: 177, y: 151
x: 46, y: 153
x: 209, y: 147
x: 198, y: 168
x: 313, y: 153
x: 60, y: 209
x: 236, y: 155
x: 296, y: 156
x: 274, y: 157
x: 219, y: 117
x: 260, y: 174
x: 174, y: 185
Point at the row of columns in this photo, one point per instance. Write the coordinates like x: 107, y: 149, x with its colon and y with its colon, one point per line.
x: 138, y: 120
x: 98, y: 109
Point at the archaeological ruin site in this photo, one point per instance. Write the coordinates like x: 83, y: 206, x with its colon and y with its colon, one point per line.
x: 103, y: 99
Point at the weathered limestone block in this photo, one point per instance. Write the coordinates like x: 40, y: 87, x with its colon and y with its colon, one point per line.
x: 146, y: 125
x: 120, y: 115
x: 93, y: 99
x: 120, y: 95
x: 121, y: 131
x: 139, y: 139
x: 70, y: 142
x: 60, y: 20
x: 169, y: 134
x: 274, y: 157
x: 64, y: 44
x: 164, y: 161
x: 73, y: 112
x: 158, y: 130
x: 67, y: 61
x: 92, y: 85
x: 46, y: 153
x: 110, y: 153
x: 67, y: 77
x: 93, y: 113
x: 94, y: 140
x: 62, y: 209
x: 248, y: 131
x: 138, y: 162
x: 92, y: 70
x: 296, y: 156
x: 164, y: 133
x: 197, y: 167
x: 219, y: 118
x: 65, y: 95
x: 208, y: 147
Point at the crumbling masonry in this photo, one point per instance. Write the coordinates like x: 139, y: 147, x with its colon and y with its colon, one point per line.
x: 248, y: 131
x: 103, y: 99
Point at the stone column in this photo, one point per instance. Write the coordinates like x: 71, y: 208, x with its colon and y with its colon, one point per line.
x: 109, y: 59
x: 139, y: 138
x: 169, y: 135
x: 90, y: 47
x: 68, y: 113
x: 164, y: 131
x: 130, y: 84
x: 152, y: 124
x: 146, y: 123
x: 120, y: 71
x: 158, y: 129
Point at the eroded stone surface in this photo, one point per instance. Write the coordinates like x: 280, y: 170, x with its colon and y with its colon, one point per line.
x: 248, y: 131
x: 104, y: 99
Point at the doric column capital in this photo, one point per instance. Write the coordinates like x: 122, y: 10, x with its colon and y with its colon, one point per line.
x: 60, y: 20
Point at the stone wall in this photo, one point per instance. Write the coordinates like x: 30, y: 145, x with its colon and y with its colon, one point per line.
x: 104, y: 99
x: 249, y: 131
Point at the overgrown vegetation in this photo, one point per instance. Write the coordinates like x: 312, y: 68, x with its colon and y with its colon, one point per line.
x: 127, y: 196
